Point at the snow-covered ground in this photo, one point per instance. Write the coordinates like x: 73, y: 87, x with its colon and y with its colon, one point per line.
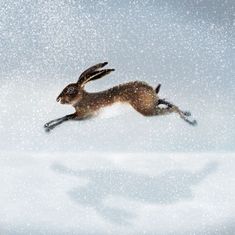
x: 118, y: 193
x: 120, y: 172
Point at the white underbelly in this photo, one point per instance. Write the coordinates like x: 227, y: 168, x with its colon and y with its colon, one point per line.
x: 115, y: 109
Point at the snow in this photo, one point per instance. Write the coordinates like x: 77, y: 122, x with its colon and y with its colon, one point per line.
x: 118, y: 193
x: 119, y: 172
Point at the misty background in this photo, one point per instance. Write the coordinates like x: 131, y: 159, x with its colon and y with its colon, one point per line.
x: 120, y: 172
x: 187, y: 46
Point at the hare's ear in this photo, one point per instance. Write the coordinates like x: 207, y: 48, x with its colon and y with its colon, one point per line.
x: 84, y: 77
x: 99, y: 74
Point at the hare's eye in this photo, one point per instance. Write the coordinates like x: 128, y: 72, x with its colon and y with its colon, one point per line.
x: 70, y: 90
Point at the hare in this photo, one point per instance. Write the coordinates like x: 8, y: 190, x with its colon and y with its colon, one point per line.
x: 142, y: 97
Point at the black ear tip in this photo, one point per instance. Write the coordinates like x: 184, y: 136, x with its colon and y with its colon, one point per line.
x: 105, y: 63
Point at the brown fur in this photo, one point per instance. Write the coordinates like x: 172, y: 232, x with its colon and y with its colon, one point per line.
x: 138, y: 94
x: 141, y: 96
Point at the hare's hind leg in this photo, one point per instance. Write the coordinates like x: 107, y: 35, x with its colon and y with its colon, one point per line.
x: 171, y: 108
x: 168, y: 104
x: 143, y: 109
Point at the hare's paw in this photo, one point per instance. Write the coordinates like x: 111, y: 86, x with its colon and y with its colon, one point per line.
x: 46, y: 125
x: 194, y: 123
x: 187, y: 113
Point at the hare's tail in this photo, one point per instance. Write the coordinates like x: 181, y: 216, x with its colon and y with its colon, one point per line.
x: 158, y: 88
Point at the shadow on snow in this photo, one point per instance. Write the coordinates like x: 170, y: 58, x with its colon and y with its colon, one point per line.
x: 169, y: 187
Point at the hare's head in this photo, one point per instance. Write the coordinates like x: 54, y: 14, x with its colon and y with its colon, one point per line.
x: 74, y: 92
x: 71, y: 94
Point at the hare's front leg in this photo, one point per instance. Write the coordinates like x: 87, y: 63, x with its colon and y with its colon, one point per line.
x: 52, y: 124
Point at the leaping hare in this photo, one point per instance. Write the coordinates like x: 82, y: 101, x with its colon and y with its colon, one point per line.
x: 142, y: 97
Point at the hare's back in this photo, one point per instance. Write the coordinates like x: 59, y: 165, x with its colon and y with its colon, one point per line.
x: 135, y: 91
